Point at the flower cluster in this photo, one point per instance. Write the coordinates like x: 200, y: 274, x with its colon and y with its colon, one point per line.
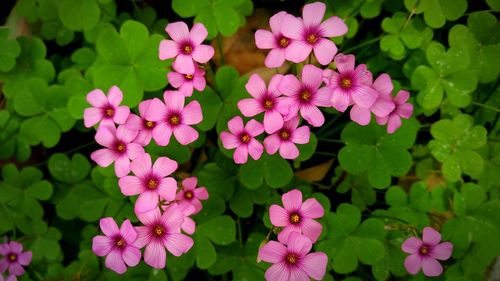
x: 287, y: 99
x: 290, y: 254
x: 13, y: 259
x: 163, y: 209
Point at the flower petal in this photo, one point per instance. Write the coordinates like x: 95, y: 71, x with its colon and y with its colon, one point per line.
x: 201, y: 193
x: 382, y: 107
x: 128, y: 232
x: 272, y: 143
x: 147, y: 201
x: 185, y: 134
x: 288, y: 150
x: 254, y: 128
x: 273, y: 121
x: 297, y: 51
x: 292, y: 200
x: 103, y: 157
x: 178, y: 31
x: 431, y: 267
x: 360, y: 115
x: 323, y: 97
x: 96, y: 98
x: 203, y: 53
x: 25, y: 258
x: 168, y: 49
x: 312, y: 14
x: 279, y: 217
x: 130, y: 185
x: 324, y: 50
x: 92, y: 116
x: 235, y: 125
x: 299, y: 244
x: 191, y: 114
x: 164, y: 166
x: 312, y: 229
x: 155, y: 255
x: 312, y: 115
x: 405, y: 110
x: 364, y: 96
x: 289, y: 85
x: 250, y: 107
x: 442, y: 251
x: 255, y: 86
x: 292, y: 27
x: 278, y: 272
x: 393, y: 123
x: 333, y: 27
x: 413, y: 263
x: 312, y: 209
x: 184, y: 63
x: 122, y: 166
x: 167, y: 189
x: 301, y: 135
x: 141, y: 166
x: 240, y: 155
x: 178, y: 244
x: 162, y: 133
x: 411, y: 245
x: 314, y: 264
x: 312, y: 76
x: 114, y: 261
x: 340, y: 100
x: 383, y: 84
x: 101, y: 245
x: 265, y: 39
x: 275, y: 58
x: 131, y: 256
x: 255, y: 149
x: 229, y: 141
x: 157, y: 110
x: 272, y: 252
x: 402, y: 97
x: 105, y: 136
x: 345, y: 63
x: 198, y: 33
x: 109, y: 227
x: 115, y: 96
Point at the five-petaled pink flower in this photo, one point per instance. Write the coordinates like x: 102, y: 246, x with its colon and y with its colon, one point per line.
x: 350, y: 85
x: 186, y: 82
x: 266, y: 100
x: 105, y: 108
x: 189, y: 194
x: 186, y: 46
x: 14, y: 258
x: 308, y: 34
x: 117, y: 245
x: 382, y: 106
x: 243, y: 139
x: 150, y: 182
x: 274, y: 40
x: 293, y: 261
x: 120, y: 148
x: 403, y: 109
x: 306, y: 95
x: 286, y: 138
x: 171, y: 116
x: 162, y: 231
x: 297, y: 216
x: 141, y: 124
x: 425, y: 253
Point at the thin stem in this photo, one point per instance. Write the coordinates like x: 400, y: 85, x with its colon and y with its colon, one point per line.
x: 325, y: 153
x: 220, y: 47
x: 323, y: 128
x: 310, y: 58
x: 240, y: 234
x: 330, y: 140
x: 391, y: 218
x: 366, y: 43
x: 486, y: 106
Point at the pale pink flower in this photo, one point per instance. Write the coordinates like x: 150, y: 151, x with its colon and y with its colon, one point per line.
x: 383, y: 104
x: 105, y: 108
x: 190, y: 195
x: 293, y: 262
x: 274, y: 40
x: 120, y: 148
x: 350, y: 85
x: 297, y: 216
x: 243, y: 139
x: 171, y: 116
x: 266, y: 100
x: 186, y: 46
x: 286, y: 138
x: 186, y: 82
x: 306, y: 95
x: 117, y: 245
x: 188, y: 224
x: 150, y: 182
x: 403, y: 109
x: 141, y: 124
x: 425, y: 253
x: 162, y: 231
x: 308, y: 34
x: 14, y: 258
x: 8, y: 278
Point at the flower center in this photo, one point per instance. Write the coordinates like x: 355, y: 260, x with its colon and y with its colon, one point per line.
x: 245, y: 138
x: 284, y: 42
x: 12, y: 257
x: 120, y: 243
x: 187, y: 49
x: 159, y: 230
x: 311, y: 38
x: 305, y: 96
x: 120, y: 147
x: 174, y: 120
x: 188, y: 194
x: 109, y: 112
x: 268, y: 104
x: 345, y: 83
x: 294, y: 218
x: 291, y: 258
x: 149, y: 124
x: 424, y: 250
x: 152, y: 184
x: 189, y: 76
x: 284, y: 134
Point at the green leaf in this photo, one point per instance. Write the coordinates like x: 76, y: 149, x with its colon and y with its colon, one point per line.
x: 9, y: 51
x: 41, y: 190
x: 241, y: 203
x: 211, y: 105
x: 220, y: 230
x: 217, y: 180
x: 69, y: 171
x: 205, y: 252
x: 250, y: 174
x: 395, y: 196
x: 79, y: 15
x: 40, y: 129
x: 277, y: 171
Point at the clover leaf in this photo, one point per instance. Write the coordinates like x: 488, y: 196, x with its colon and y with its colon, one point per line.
x: 11, y: 144
x: 9, y: 51
x: 436, y: 12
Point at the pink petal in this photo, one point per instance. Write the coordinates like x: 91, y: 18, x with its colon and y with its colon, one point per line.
x: 442, y: 251
x: 265, y: 39
x: 299, y: 244
x: 188, y: 225
x: 198, y: 33
x: 430, y: 236
x: 115, y: 96
x: 178, y: 31
x: 288, y: 150
x: 292, y: 27
x: 324, y: 50
x: 167, y: 189
x: 313, y: 14
x: 312, y: 115
x: 149, y: 218
x: 143, y: 235
x: 134, y: 150
x: 16, y: 269
x: 162, y: 133
x: 174, y: 101
x: 25, y: 258
x: 333, y: 27
x: 92, y: 116
x: 229, y: 141
x: 4, y: 264
x: 393, y: 123
x: 201, y: 193
x: 122, y: 166
x: 275, y: 58
x: 185, y: 134
x: 431, y: 267
x: 383, y: 84
x: 255, y: 86
x: 365, y: 96
x: 178, y: 244
x: 102, y: 245
x: 289, y: 85
x: 297, y: 51
x: 131, y: 256
x: 189, y: 183
x: 103, y: 157
x: 273, y: 121
x: 141, y: 166
x: 360, y: 115
x: 312, y: 229
x: 235, y: 125
x: 134, y: 122
x: 16, y: 247
x: 344, y: 63
x: 168, y: 49
x: 272, y: 88
x: 191, y: 114
x: 164, y: 166
x: 176, y: 79
x: 402, y: 97
x: 276, y: 21
x: 323, y: 97
x: 155, y: 255
x: 273, y: 252
x: 411, y: 245
x: 254, y: 128
x: 314, y: 264
x: 413, y: 263
x: 147, y: 201
x: 105, y: 136
x: 292, y: 200
x: 340, y: 100
x: 199, y: 83
x: 382, y: 120
x: 405, y: 110
x: 278, y: 272
x: 203, y: 53
x: 382, y: 107
x: 312, y: 209
x: 97, y: 98
x: 157, y: 110
x: 240, y: 155
x: 121, y: 114
x: 143, y: 138
x: 301, y: 135
x: 250, y: 107
x: 272, y: 143
x: 312, y: 76
x: 124, y: 134
x: 255, y: 149
x: 114, y: 261
x: 184, y: 63
x: 279, y: 216
x: 128, y: 232
x: 130, y: 185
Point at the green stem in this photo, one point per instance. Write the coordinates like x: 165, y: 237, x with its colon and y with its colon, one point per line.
x: 486, y: 106
x: 220, y: 46
x: 240, y: 231
x: 366, y: 43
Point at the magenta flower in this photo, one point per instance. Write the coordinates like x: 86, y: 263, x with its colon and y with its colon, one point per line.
x: 162, y: 231
x: 14, y: 258
x: 9, y: 278
x: 274, y: 40
x: 186, y: 82
x: 383, y: 104
x: 117, y: 245
x: 243, y: 139
x: 286, y: 138
x: 186, y: 46
x: 297, y: 216
x: 308, y: 34
x: 306, y: 95
x: 141, y: 124
x: 120, y: 148
x: 105, y: 108
x: 171, y: 116
x: 425, y: 253
x: 402, y: 110
x: 293, y: 261
x: 266, y: 100
x: 350, y: 85
x: 150, y: 182
x: 190, y: 195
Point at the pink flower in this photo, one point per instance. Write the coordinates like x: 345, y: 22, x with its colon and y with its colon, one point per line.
x: 350, y: 85
x: 243, y: 139
x: 9, y: 278
x: 264, y: 100
x: 162, y: 231
x: 293, y: 261
x: 186, y: 46
x: 305, y: 96
x: 173, y: 117
x: 14, y: 258
x: 424, y: 254
x: 383, y: 104
x: 286, y: 138
x: 117, y: 245
x: 186, y: 82
x: 142, y: 125
x: 274, y: 40
x: 105, y: 109
x: 188, y: 224
x: 120, y: 148
x: 402, y: 110
x: 297, y: 216
x: 150, y: 182
x: 190, y: 195
x: 308, y: 34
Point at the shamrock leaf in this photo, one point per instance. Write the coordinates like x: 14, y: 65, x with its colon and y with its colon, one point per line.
x: 11, y: 144
x: 79, y: 14
x: 68, y: 170
x: 436, y: 12
x: 9, y: 51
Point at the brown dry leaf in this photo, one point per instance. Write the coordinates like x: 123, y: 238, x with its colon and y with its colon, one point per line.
x: 315, y: 173
x: 435, y: 180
